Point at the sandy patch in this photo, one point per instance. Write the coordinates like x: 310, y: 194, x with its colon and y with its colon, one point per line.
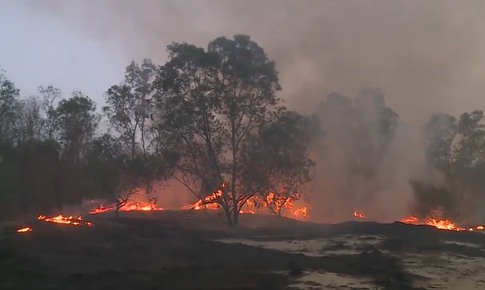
x: 317, y: 280
x: 338, y: 245
x: 446, y: 271
x: 438, y: 270
x: 463, y: 244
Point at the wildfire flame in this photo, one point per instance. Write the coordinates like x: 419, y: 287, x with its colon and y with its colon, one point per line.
x: 129, y: 206
x: 142, y: 206
x: 247, y: 212
x: 24, y: 230
x: 442, y: 224
x: 359, y: 214
x: 210, y: 202
x: 70, y: 220
x: 300, y: 212
x: 102, y: 209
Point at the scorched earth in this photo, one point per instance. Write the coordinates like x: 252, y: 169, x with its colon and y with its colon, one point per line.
x: 196, y: 250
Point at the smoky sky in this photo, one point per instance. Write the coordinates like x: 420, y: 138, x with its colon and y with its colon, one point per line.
x: 427, y: 56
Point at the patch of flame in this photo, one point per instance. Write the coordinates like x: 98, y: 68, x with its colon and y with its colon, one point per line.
x: 211, y: 202
x: 141, y: 206
x: 102, y: 209
x: 359, y: 214
x: 129, y: 206
x: 24, y: 230
x: 70, y: 220
x: 442, y: 224
x: 301, y: 212
x: 410, y: 220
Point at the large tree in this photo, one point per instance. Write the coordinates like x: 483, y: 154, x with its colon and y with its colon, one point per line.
x: 213, y: 103
x: 130, y: 111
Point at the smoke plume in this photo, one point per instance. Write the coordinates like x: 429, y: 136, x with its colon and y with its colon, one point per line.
x: 427, y: 56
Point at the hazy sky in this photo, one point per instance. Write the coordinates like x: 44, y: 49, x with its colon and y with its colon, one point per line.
x: 38, y: 50
x: 428, y: 56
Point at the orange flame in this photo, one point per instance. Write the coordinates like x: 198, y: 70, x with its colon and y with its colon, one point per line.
x: 410, y: 220
x: 65, y: 220
x: 359, y: 214
x: 142, y: 206
x: 24, y: 230
x: 130, y: 206
x: 211, y: 202
x: 442, y: 224
x: 300, y: 212
x: 102, y: 209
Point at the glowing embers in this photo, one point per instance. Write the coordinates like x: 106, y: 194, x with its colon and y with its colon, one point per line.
x: 66, y: 220
x: 359, y: 214
x: 24, y: 230
x: 442, y: 224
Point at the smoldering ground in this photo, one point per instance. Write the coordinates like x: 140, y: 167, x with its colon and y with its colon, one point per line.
x: 425, y: 56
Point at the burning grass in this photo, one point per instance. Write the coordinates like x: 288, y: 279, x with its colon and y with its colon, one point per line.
x: 357, y: 252
x: 254, y: 205
x: 24, y: 230
x: 442, y: 224
x: 66, y: 220
x: 129, y: 206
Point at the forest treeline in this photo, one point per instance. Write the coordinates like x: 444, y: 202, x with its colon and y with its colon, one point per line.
x: 211, y: 119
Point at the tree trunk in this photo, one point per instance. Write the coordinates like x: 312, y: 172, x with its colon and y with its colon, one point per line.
x: 58, y: 182
x: 227, y: 211
x: 235, y: 212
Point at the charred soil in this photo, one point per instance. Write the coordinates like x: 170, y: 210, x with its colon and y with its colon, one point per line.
x: 183, y: 250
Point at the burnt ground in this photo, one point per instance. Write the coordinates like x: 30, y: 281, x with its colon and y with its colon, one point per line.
x: 182, y: 250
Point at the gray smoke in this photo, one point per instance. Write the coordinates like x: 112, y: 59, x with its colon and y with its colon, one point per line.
x: 427, y: 56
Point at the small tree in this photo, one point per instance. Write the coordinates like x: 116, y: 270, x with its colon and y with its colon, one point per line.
x: 213, y: 104
x: 9, y: 109
x: 129, y: 107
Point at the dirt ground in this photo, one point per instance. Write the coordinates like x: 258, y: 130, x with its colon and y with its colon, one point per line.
x: 196, y: 250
